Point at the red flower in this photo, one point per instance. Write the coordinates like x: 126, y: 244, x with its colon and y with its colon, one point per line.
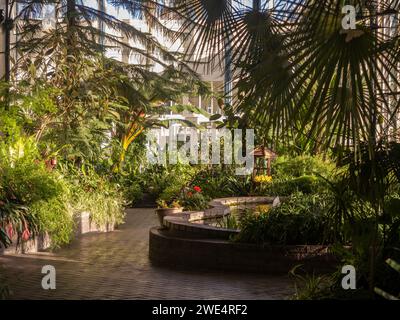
x: 10, y: 230
x: 26, y: 235
x: 189, y: 194
x: 197, y: 189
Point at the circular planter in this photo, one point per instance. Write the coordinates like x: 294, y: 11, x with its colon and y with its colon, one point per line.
x: 163, y: 212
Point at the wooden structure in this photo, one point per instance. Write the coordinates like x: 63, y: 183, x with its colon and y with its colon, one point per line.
x: 262, y: 161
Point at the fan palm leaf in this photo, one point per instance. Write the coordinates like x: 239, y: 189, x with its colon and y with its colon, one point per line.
x: 297, y: 70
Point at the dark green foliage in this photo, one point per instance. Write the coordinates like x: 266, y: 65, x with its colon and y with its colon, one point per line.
x: 214, y: 182
x: 32, y: 197
x: 304, y: 174
x: 240, y: 186
x: 166, y: 183
x: 298, y: 74
x: 395, y: 266
x: 15, y: 219
x: 294, y: 167
x: 220, y: 182
x: 132, y: 192
x: 304, y: 184
x: 94, y: 193
x: 297, y: 221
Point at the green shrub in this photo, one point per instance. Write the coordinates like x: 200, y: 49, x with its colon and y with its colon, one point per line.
x: 284, y: 167
x: 213, y: 182
x: 304, y: 184
x: 10, y: 130
x: 299, y: 174
x: 55, y: 219
x: 95, y: 194
x: 299, y: 220
x: 130, y: 186
x: 174, y: 179
x: 132, y: 193
x: 240, y: 186
x: 154, y: 179
x: 221, y: 182
x: 25, y: 181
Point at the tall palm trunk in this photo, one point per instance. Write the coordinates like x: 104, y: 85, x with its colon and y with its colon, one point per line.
x: 7, y: 25
x: 7, y: 39
x: 373, y: 136
x: 71, y: 26
x: 256, y: 5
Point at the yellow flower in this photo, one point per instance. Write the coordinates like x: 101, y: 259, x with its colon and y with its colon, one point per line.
x: 262, y: 179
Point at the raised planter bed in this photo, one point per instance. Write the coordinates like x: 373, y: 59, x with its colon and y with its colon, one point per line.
x: 171, y: 250
x: 184, y: 243
x: 83, y: 225
x: 40, y: 243
x: 165, y: 212
x: 185, y: 222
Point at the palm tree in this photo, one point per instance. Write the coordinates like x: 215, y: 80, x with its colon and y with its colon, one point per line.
x: 68, y: 62
x: 89, y: 30
x: 299, y: 73
x: 297, y: 70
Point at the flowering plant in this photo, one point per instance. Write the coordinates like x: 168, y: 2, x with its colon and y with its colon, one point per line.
x: 262, y: 179
x: 192, y: 199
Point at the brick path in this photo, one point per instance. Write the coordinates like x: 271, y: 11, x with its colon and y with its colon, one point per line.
x: 116, y: 266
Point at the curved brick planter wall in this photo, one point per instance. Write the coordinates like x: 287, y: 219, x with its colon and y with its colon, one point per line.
x: 183, y: 243
x: 166, y: 249
x: 186, y: 221
x: 83, y: 225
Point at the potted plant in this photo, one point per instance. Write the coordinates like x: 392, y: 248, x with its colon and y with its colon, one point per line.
x: 164, y: 209
x: 192, y: 199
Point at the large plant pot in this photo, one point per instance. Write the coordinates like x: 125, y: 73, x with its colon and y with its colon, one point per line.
x: 161, y: 213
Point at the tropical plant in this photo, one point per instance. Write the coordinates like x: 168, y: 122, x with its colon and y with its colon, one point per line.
x: 33, y: 199
x: 362, y: 206
x: 94, y: 193
x: 173, y: 181
x: 192, y: 199
x: 70, y: 94
x: 298, y: 220
x: 286, y: 187
x: 310, y: 286
x: 298, y: 70
x: 213, y: 181
x: 240, y: 185
x: 396, y: 266
x: 77, y: 27
x: 293, y: 167
x: 16, y: 219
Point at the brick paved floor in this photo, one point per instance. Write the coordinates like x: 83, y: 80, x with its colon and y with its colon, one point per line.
x: 116, y: 266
